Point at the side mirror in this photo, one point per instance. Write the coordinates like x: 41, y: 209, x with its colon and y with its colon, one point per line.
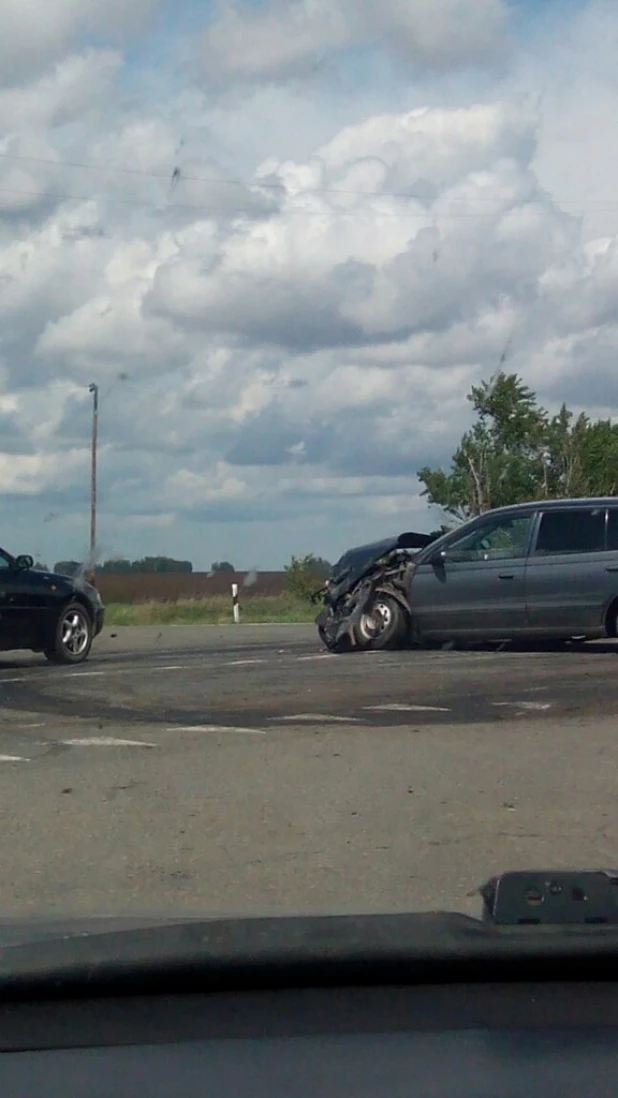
x: 23, y: 562
x: 439, y: 557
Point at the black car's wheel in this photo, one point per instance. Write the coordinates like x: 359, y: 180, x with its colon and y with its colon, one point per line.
x: 385, y: 626
x: 73, y: 635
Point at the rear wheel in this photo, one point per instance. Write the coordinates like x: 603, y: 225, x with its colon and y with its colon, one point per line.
x: 73, y: 635
x: 385, y: 626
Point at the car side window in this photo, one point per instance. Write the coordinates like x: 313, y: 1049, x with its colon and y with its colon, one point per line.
x: 612, y: 528
x: 5, y: 563
x: 498, y: 539
x: 578, y: 530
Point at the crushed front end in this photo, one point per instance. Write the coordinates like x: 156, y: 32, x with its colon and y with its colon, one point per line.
x: 364, y: 602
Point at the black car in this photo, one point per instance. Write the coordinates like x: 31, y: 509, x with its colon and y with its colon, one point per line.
x: 44, y: 612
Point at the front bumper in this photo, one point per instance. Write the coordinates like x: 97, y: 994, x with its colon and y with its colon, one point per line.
x: 99, y: 620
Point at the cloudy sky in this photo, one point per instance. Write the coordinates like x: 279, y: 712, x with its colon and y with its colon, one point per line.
x: 284, y: 237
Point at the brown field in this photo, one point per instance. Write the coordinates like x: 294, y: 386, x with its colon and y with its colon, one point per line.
x: 172, y: 586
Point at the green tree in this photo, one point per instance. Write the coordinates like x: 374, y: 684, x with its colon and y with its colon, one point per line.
x: 304, y: 575
x: 501, y: 459
x: 122, y: 566
x: 119, y: 566
x: 222, y: 566
x: 598, y: 451
x: 516, y: 452
x: 67, y: 567
x: 161, y: 564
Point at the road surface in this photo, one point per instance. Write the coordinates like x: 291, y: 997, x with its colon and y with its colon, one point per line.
x: 245, y: 770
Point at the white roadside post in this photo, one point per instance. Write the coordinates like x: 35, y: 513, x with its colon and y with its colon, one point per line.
x: 235, y: 603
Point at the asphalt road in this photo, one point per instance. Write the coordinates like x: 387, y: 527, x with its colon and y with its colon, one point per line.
x: 244, y: 770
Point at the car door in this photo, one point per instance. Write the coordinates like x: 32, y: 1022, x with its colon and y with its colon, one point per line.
x: 7, y: 623
x: 476, y: 588
x: 22, y: 603
x: 567, y: 581
x: 12, y: 608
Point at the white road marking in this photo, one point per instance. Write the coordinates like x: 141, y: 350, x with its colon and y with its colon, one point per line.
x: 524, y: 704
x: 327, y: 718
x: 325, y: 656
x: 105, y: 741
x: 216, y: 728
x: 396, y: 708
x: 13, y: 759
x: 242, y: 663
x: 83, y: 674
x: 24, y: 726
x: 136, y: 669
x: 3, y: 681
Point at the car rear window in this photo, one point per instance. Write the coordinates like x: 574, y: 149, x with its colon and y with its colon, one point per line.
x: 578, y: 530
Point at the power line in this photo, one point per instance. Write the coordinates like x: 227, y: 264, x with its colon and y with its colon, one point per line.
x: 431, y: 214
x: 177, y: 174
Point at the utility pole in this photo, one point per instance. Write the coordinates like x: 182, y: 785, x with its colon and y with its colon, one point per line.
x: 94, y: 389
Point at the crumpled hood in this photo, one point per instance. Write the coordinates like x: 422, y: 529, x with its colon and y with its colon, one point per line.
x: 355, y: 563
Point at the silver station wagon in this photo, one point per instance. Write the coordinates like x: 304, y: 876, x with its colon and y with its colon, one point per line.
x: 534, y: 570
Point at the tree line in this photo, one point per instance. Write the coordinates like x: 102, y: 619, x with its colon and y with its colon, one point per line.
x: 124, y: 567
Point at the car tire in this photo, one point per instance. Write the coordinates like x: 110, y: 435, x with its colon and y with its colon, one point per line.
x: 73, y: 635
x: 386, y: 627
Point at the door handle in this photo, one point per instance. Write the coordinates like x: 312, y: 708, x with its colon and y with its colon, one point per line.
x: 506, y: 575
x: 612, y: 568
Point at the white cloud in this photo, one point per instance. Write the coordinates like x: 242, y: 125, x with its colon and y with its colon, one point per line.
x: 288, y: 38
x: 34, y: 35
x: 284, y: 331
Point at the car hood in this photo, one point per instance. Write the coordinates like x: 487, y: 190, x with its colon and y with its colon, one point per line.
x: 353, y: 565
x: 37, y: 578
x: 68, y: 584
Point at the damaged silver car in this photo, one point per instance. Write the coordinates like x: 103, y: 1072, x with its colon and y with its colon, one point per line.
x: 365, y: 602
x: 536, y: 571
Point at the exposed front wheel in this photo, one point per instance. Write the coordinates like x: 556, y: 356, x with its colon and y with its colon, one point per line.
x: 384, y: 626
x: 73, y: 635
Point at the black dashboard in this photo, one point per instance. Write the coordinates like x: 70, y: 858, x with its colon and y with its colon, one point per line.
x: 472, y: 1041
x: 521, y: 1004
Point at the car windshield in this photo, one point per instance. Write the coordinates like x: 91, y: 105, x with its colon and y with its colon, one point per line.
x: 290, y: 289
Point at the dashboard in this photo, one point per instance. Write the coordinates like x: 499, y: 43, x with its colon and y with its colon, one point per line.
x: 464, y: 1040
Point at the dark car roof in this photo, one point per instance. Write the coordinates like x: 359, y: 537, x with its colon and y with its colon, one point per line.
x: 556, y: 504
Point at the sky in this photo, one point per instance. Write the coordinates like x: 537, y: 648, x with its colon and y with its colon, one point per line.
x: 284, y: 238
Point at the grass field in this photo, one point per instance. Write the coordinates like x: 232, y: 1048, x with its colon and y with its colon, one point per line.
x: 216, y: 610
